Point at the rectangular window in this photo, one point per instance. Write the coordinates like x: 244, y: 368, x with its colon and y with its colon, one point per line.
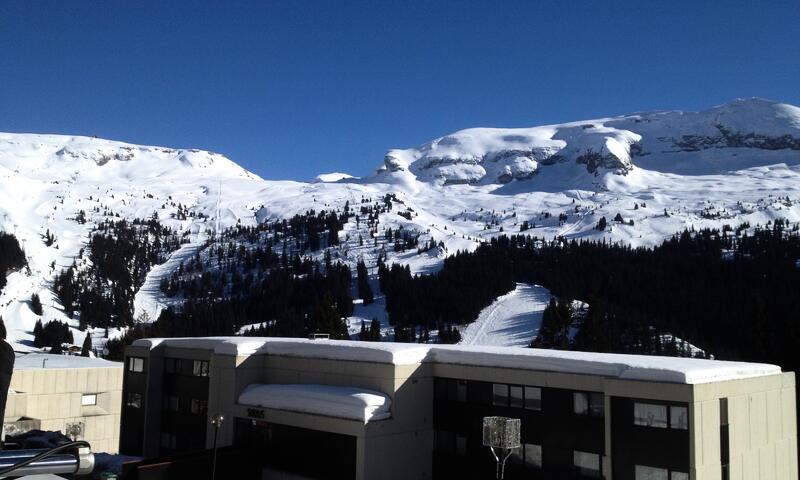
x: 172, y: 365
x: 580, y: 403
x: 171, y: 403
x: 679, y: 418
x: 533, y: 455
x: 439, y: 388
x: 515, y: 393
x: 590, y: 404
x: 461, y: 445
x: 586, y: 464
x: 134, y: 400
x: 724, y: 439
x: 597, y: 404
x: 500, y: 395
x: 650, y: 415
x: 678, y: 476
x: 445, y: 441
x: 533, y: 398
x: 136, y: 364
x: 200, y: 368
x: 461, y: 390
x: 199, y: 407
x: 651, y: 473
x: 88, y: 399
x: 168, y: 441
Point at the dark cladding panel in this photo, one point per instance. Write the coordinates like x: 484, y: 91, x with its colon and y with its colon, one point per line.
x: 663, y: 445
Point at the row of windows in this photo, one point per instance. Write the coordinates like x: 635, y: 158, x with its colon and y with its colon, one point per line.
x: 200, y: 368
x: 661, y: 416
x: 173, y: 365
x: 171, y: 403
x: 516, y: 396
x: 586, y: 464
x: 520, y: 396
x: 652, y: 473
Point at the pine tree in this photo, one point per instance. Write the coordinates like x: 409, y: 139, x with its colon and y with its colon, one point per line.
x: 3, y: 332
x: 364, y: 289
x: 36, y: 304
x: 87, y: 345
x: 37, y: 334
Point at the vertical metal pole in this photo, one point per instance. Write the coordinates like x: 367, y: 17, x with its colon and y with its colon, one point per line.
x: 216, y: 421
x: 214, y: 461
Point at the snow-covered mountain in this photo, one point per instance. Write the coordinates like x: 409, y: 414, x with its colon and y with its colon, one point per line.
x: 660, y: 172
x: 671, y: 141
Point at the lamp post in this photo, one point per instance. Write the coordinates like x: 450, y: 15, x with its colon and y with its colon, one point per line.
x: 216, y: 421
x: 501, y: 433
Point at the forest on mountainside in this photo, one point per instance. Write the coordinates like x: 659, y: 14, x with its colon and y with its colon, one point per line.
x: 119, y: 254
x: 12, y: 256
x: 731, y: 292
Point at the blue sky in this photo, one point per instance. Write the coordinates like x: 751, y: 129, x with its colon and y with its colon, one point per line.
x: 291, y: 89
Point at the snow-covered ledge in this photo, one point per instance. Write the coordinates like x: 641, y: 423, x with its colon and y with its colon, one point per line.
x: 328, y: 400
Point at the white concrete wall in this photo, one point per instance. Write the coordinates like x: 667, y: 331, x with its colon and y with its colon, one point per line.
x: 54, y: 397
x: 762, y: 425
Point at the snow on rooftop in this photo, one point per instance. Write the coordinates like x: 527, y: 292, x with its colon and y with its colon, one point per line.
x: 626, y: 367
x: 45, y: 360
x: 332, y: 401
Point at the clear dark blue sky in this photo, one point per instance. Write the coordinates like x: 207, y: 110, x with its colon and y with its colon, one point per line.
x: 290, y: 89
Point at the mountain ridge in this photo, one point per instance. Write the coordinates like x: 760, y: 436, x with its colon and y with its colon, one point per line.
x: 56, y: 190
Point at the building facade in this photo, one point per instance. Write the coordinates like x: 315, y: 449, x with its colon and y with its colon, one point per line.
x: 341, y: 409
x: 78, y: 396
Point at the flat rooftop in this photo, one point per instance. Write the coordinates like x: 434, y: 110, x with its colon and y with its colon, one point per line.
x: 612, y: 365
x: 38, y: 361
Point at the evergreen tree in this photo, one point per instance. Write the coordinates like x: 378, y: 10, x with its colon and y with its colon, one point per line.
x: 87, y: 345
x: 36, y: 304
x: 364, y: 289
x: 3, y: 332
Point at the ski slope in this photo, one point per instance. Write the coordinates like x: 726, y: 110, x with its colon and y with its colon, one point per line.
x: 512, y: 320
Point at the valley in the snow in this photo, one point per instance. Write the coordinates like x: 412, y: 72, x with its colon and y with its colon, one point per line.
x: 657, y: 173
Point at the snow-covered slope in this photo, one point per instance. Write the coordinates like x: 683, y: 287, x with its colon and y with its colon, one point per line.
x: 661, y: 172
x: 513, y: 319
x: 673, y: 141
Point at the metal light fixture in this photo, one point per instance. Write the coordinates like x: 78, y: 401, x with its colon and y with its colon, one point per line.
x: 216, y: 421
x: 501, y: 435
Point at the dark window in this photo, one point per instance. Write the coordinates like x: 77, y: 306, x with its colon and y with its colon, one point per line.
x: 461, y: 390
x: 589, y: 404
x: 678, y: 418
x: 650, y: 415
x: 724, y: 439
x: 133, y: 400
x: 440, y: 388
x: 643, y: 472
x: 533, y: 398
x: 172, y: 365
x: 445, y: 441
x: 168, y: 441
x: 654, y: 415
x: 461, y: 445
x: 171, y: 403
x: 199, y: 407
x: 515, y: 394
x: 586, y: 464
x: 500, y: 395
x: 136, y: 364
x: 200, y: 368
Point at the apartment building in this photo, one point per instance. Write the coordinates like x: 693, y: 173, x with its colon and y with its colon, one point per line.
x: 78, y: 396
x: 344, y: 409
